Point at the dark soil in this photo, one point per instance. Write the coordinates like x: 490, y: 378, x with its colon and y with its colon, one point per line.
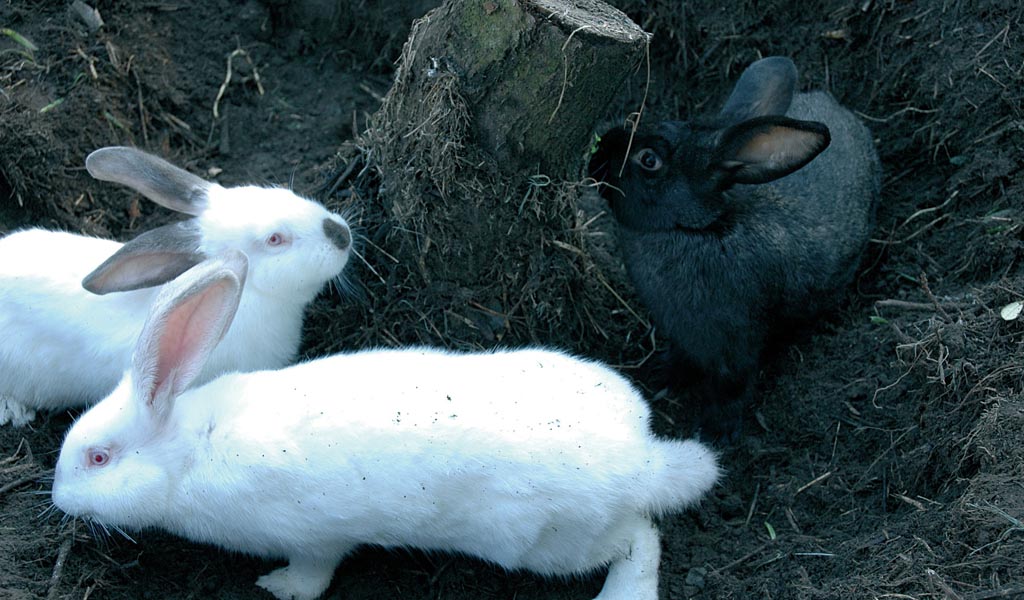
x: 885, y: 455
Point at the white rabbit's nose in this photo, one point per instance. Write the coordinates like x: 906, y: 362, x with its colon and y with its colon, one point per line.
x: 338, y: 233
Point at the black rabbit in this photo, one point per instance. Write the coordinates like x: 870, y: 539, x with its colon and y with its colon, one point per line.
x: 735, y: 226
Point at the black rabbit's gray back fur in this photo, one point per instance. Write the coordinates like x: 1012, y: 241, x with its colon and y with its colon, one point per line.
x: 816, y: 241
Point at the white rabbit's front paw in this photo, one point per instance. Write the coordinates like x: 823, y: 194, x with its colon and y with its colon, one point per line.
x: 297, y: 581
x: 14, y: 412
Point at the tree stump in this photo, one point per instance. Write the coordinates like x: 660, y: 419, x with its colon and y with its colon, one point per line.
x: 534, y: 75
x: 477, y: 155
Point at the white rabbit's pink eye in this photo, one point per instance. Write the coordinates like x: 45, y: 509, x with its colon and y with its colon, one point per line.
x: 275, y: 239
x: 98, y: 457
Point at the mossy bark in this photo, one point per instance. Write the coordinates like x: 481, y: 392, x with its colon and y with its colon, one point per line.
x: 535, y: 74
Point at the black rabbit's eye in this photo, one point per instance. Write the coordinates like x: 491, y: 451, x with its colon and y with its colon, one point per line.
x: 648, y: 159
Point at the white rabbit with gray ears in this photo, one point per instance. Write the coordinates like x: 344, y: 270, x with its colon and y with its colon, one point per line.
x: 531, y: 459
x: 72, y: 306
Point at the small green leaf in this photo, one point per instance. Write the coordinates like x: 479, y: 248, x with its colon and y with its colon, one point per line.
x: 19, y: 39
x: 771, y: 530
x: 877, y: 320
x: 115, y: 122
x: 51, y: 106
x: 594, y: 144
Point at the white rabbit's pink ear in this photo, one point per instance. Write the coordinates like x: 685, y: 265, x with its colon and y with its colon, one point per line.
x: 185, y: 324
x: 151, y: 176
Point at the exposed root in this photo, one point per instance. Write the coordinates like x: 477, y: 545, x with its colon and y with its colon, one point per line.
x: 58, y: 566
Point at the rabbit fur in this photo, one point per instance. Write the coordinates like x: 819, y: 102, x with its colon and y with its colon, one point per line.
x: 531, y: 459
x: 72, y: 306
x: 735, y: 227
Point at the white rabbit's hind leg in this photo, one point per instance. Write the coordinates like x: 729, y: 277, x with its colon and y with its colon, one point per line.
x: 14, y: 412
x: 302, y: 579
x: 635, y: 575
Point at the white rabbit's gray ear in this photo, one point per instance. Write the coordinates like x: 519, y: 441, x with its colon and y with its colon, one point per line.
x: 185, y: 323
x: 151, y: 176
x: 152, y: 258
x: 765, y: 88
x: 767, y: 148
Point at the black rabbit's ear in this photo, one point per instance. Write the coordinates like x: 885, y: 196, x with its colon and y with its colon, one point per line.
x: 764, y: 149
x: 765, y: 88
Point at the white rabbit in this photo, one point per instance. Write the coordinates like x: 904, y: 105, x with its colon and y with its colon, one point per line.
x: 530, y: 459
x: 65, y: 344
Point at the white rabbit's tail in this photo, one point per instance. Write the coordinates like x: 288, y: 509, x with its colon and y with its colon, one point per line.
x: 683, y: 472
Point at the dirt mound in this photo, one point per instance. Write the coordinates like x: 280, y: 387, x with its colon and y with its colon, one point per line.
x: 884, y: 455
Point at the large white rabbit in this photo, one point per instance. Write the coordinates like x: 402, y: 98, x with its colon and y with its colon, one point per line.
x: 67, y: 341
x: 531, y: 459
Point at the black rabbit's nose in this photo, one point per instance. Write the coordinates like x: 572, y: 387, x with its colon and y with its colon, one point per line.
x: 338, y: 233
